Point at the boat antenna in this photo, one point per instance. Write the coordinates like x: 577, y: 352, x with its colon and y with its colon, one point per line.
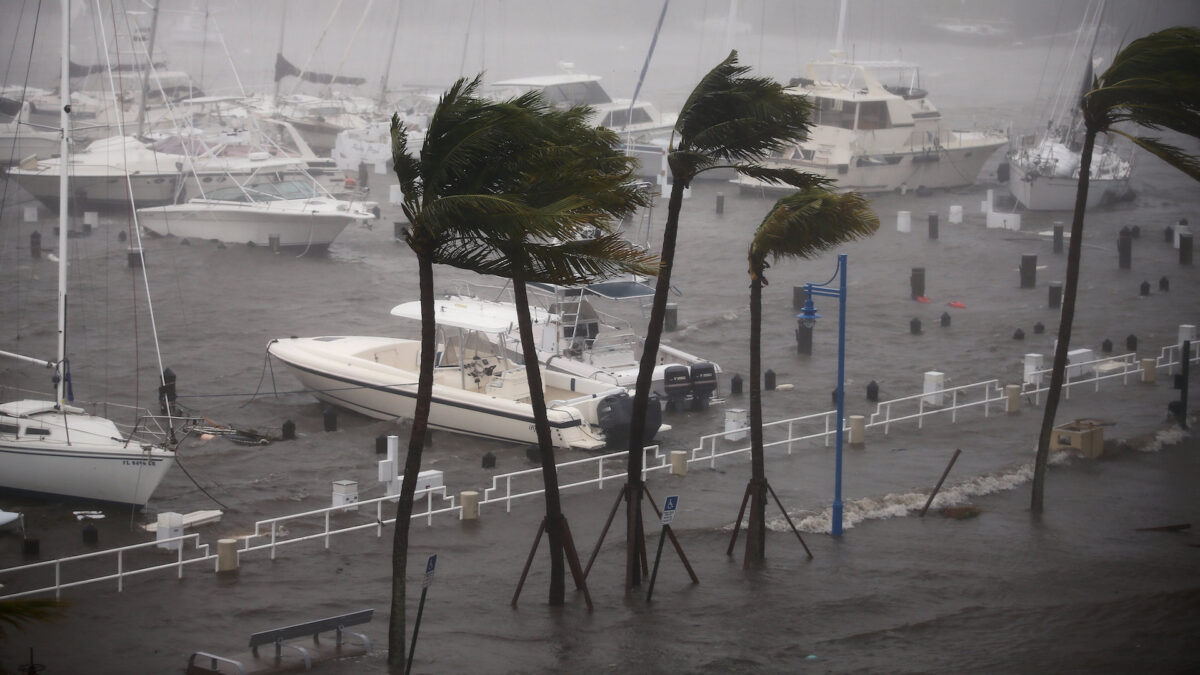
x: 841, y: 31
x: 387, y: 68
x: 646, y: 64
x: 60, y: 383
x: 146, y: 73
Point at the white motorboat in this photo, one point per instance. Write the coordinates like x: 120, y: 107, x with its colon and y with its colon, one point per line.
x: 1044, y: 169
x: 18, y: 140
x: 576, y: 337
x: 478, y: 390
x: 290, y: 213
x: 159, y: 173
x: 644, y: 131
x: 54, y: 448
x: 869, y: 136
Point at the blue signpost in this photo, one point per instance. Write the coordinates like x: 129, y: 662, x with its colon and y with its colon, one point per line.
x: 430, y: 567
x: 668, y: 514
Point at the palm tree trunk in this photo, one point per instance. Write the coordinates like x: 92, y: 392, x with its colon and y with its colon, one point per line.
x: 756, y: 533
x: 641, y: 396
x: 537, y: 399
x: 412, y: 467
x: 1070, y: 289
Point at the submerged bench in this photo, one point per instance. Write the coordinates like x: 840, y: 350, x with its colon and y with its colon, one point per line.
x: 279, y: 636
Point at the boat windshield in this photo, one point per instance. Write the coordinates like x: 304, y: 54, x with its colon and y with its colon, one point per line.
x: 265, y: 192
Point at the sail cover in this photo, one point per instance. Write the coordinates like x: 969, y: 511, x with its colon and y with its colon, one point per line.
x: 284, y: 68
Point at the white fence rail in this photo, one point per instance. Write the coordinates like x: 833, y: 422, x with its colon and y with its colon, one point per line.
x: 325, y: 523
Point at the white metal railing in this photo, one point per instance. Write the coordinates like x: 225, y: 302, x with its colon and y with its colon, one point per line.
x: 1091, y: 372
x: 920, y: 406
x: 273, y: 533
x: 119, y: 556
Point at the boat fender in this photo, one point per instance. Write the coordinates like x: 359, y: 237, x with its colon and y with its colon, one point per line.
x: 957, y: 304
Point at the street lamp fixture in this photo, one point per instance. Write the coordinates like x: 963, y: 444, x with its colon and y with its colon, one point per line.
x: 808, y: 317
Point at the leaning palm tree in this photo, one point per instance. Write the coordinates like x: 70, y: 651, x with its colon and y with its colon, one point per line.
x: 798, y: 226
x: 462, y: 175
x: 730, y: 120
x: 1153, y: 83
x: 572, y: 178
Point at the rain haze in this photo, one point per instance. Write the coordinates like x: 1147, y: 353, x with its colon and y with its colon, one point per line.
x: 1103, y: 581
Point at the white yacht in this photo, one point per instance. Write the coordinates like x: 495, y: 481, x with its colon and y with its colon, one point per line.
x: 19, y: 140
x: 643, y: 129
x: 289, y: 213
x: 478, y: 389
x: 872, y: 136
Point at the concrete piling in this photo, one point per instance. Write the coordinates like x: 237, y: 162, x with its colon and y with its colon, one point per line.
x: 858, y: 431
x: 916, y: 282
x: 933, y: 225
x: 679, y: 465
x: 1185, y: 249
x: 470, y: 504
x: 227, y: 555
x: 1055, y: 294
x: 1125, y: 249
x: 1058, y: 236
x: 1012, y: 399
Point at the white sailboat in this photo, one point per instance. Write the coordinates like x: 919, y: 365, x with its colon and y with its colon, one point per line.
x: 1044, y: 173
x: 54, y: 448
x: 478, y: 389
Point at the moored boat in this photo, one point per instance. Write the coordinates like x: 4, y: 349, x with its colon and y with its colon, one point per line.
x: 478, y: 389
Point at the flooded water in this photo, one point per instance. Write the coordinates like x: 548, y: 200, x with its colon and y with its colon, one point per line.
x: 1078, y: 589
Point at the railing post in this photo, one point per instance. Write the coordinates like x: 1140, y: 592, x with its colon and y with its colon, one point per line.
x: 326, y: 530
x: 120, y: 571
x: 921, y: 413
x: 954, y: 406
x: 508, y: 495
x: 790, y: 436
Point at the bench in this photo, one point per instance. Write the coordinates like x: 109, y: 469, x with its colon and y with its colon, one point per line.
x: 279, y: 637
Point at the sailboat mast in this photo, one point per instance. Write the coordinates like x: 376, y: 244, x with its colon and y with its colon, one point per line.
x: 63, y: 187
x: 387, y: 68
x: 146, y: 73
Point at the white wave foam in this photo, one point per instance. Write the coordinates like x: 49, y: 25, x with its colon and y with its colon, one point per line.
x: 898, y: 505
x: 1164, y: 438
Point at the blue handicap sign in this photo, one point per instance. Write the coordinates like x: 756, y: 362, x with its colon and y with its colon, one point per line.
x: 429, y: 567
x: 669, y: 506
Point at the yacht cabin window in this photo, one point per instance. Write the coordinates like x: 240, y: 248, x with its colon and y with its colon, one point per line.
x: 621, y: 118
x: 576, y: 93
x: 835, y: 112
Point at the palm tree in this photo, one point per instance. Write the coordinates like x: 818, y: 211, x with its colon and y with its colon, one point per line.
x: 730, y: 120
x: 460, y: 176
x: 1153, y: 83
x: 17, y: 613
x: 798, y: 226
x: 573, y: 179
x: 473, y: 187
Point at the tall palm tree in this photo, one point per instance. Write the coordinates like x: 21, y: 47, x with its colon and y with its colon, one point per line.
x: 574, y: 178
x: 462, y: 174
x: 730, y: 120
x: 797, y: 226
x: 1152, y: 83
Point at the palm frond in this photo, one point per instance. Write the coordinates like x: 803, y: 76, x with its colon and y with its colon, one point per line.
x: 408, y: 169
x: 1172, y: 155
x: 19, y: 612
x: 807, y: 222
x: 800, y: 180
x: 1153, y: 82
x: 731, y: 117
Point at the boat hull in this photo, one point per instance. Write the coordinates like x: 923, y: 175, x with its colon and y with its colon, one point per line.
x: 947, y: 167
x: 90, y: 463
x: 242, y: 223
x: 99, y: 191
x: 1050, y: 193
x: 354, y: 373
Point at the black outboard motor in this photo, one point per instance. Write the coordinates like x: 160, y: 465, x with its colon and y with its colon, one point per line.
x: 704, y: 384
x: 613, y: 414
x: 677, y: 384
x: 653, y: 419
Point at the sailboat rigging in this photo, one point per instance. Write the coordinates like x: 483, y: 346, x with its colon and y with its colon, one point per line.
x: 52, y: 447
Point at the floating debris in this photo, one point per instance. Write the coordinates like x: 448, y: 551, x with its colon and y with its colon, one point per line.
x: 960, y: 512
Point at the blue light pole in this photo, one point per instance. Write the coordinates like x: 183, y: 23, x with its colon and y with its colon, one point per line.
x: 808, y: 315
